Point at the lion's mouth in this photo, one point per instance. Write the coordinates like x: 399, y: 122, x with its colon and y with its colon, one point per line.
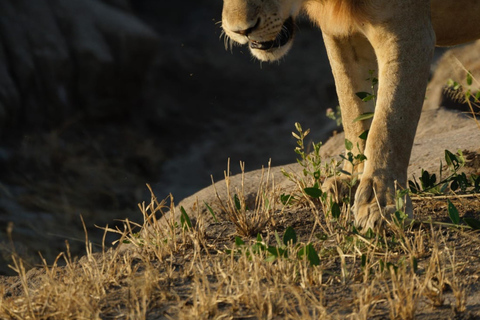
x: 282, y: 38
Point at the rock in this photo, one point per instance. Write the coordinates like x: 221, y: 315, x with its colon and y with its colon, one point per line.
x: 59, y: 59
x: 453, y: 65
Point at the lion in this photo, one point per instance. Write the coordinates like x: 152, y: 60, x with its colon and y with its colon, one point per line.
x: 396, y: 38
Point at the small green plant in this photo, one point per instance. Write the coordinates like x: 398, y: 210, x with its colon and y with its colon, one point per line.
x: 467, y: 95
x: 400, y: 215
x: 286, y: 248
x: 311, y: 163
x: 335, y: 115
x: 455, y: 181
x: 455, y: 217
x: 185, y: 219
x: 368, y: 96
x: 354, y: 159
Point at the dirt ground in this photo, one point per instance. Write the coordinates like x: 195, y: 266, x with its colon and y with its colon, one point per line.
x: 175, y: 292
x: 159, y: 271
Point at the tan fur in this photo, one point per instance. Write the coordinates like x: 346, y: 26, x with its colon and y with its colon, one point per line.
x: 393, y: 37
x: 340, y: 17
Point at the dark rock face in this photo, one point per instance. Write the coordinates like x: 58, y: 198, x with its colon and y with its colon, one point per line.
x: 71, y: 75
x: 59, y: 58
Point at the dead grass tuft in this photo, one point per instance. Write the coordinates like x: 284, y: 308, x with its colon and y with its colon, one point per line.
x: 249, y: 216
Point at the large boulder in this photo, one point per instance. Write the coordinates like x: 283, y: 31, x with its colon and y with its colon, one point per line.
x: 453, y: 65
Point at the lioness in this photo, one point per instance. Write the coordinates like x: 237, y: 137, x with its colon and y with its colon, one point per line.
x: 394, y: 37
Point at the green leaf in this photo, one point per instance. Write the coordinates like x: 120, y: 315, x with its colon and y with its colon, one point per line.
x: 211, y: 212
x: 427, y: 180
x: 362, y: 95
x: 239, y: 242
x: 185, y: 219
x: 310, y: 253
x: 453, y: 213
x: 472, y: 223
x: 365, y: 96
x: 364, y: 135
x: 275, y: 251
x: 296, y: 136
x: 453, y: 84
x: 313, y: 192
x: 270, y: 258
x: 289, y: 236
x: 335, y: 210
x: 476, y: 183
x: 469, y: 78
x: 361, y: 157
x: 400, y: 215
x: 370, y: 234
x: 454, y: 161
x: 273, y: 255
x: 348, y: 145
x: 364, y: 260
x: 414, y: 187
x: 286, y: 199
x: 345, y: 172
x: 415, y: 264
x: 238, y: 206
x: 298, y: 127
x: 364, y: 116
x: 463, y: 182
x: 454, y: 185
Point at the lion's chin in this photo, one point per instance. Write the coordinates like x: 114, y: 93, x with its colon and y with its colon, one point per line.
x: 271, y: 54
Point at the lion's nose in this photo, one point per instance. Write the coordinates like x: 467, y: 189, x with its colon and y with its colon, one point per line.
x: 247, y: 31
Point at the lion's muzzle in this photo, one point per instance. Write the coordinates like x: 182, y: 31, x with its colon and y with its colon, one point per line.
x: 283, y: 37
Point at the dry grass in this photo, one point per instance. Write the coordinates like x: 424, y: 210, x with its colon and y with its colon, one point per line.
x: 467, y: 94
x: 164, y: 270
x: 249, y: 216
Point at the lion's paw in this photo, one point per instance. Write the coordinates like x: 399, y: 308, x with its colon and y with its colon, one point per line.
x: 374, y: 204
x: 337, y: 188
x: 371, y: 216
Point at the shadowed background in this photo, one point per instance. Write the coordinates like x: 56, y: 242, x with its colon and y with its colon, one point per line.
x: 98, y: 98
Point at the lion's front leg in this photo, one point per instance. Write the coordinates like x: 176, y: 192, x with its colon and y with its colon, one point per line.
x: 404, y: 50
x: 352, y: 59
